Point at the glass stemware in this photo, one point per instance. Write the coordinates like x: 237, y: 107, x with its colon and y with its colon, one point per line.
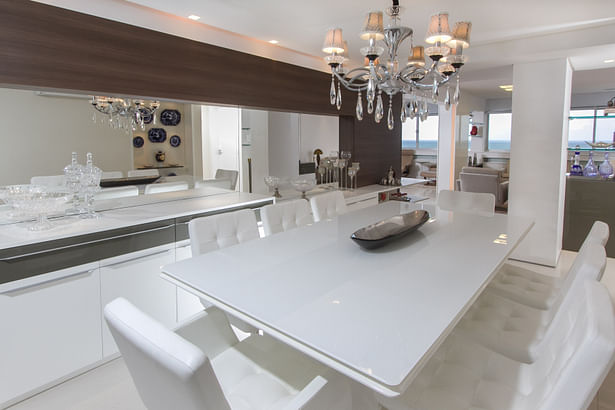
x: 341, y: 165
x: 346, y: 155
x: 322, y: 170
x: 357, y: 167
x: 352, y: 172
x: 303, y: 185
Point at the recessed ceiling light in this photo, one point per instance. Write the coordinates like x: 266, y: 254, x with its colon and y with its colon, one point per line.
x: 610, y: 60
x: 274, y: 41
x: 194, y: 17
x: 506, y: 87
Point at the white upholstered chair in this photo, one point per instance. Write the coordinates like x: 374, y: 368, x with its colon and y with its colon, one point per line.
x: 229, y: 174
x: 516, y: 330
x: 214, y: 183
x: 327, y: 206
x: 166, y: 187
x: 285, y: 215
x: 203, y: 366
x: 143, y: 173
x: 49, y: 180
x: 486, y: 180
x: 117, y: 192
x: 219, y: 231
x: 542, y: 291
x: 573, y: 361
x: 112, y: 174
x: 468, y: 202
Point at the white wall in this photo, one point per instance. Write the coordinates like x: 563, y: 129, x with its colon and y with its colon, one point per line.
x: 40, y: 132
x: 283, y: 144
x: 538, y: 155
x: 318, y: 131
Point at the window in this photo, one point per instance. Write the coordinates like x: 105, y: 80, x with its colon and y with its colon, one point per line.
x: 499, y: 131
x: 420, y: 134
x: 590, y: 125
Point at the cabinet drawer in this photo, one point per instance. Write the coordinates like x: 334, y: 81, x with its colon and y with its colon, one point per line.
x: 49, y: 329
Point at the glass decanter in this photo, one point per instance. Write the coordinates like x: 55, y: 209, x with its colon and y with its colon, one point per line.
x: 605, y: 169
x: 72, y: 174
x: 590, y: 170
x: 90, y: 182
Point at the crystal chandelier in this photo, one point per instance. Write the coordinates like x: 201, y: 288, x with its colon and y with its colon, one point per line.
x: 126, y: 114
x: 383, y: 72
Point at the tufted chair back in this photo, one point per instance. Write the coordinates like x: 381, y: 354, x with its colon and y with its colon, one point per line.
x: 168, y: 371
x: 469, y: 202
x: 219, y: 231
x: 327, y: 206
x: 286, y: 215
x: 229, y: 174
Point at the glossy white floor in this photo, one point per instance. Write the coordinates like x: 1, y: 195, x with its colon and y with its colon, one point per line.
x: 109, y: 387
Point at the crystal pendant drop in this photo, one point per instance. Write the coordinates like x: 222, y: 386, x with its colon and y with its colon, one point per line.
x: 402, y: 114
x: 379, y: 108
x: 390, y: 121
x: 434, y: 91
x: 332, y: 95
x: 338, y: 100
x: 447, y: 100
x: 456, y: 94
x: 359, y: 109
x: 371, y: 90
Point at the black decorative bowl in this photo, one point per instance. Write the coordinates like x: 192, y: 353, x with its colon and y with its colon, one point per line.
x: 170, y: 117
x: 175, y: 141
x: 380, y: 233
x: 157, y: 135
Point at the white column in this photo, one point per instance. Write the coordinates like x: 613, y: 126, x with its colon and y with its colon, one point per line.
x: 447, y: 127
x: 540, y: 109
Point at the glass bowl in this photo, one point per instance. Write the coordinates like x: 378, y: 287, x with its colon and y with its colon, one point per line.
x: 274, y: 183
x: 303, y: 185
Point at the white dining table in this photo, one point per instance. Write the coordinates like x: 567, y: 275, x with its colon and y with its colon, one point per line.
x: 375, y: 316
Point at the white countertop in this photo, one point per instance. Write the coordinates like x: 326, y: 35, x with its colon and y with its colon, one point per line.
x: 136, y: 211
x: 351, y: 195
x: 375, y: 316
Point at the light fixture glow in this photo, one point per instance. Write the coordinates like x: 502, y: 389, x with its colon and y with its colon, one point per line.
x: 274, y: 41
x: 507, y: 87
x: 610, y: 60
x: 194, y: 17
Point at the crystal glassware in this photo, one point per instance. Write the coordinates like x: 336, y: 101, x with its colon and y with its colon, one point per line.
x: 341, y: 165
x: 73, y: 173
x: 38, y: 202
x: 346, y: 155
x: 352, y: 172
x: 357, y: 167
x: 322, y: 170
x: 590, y: 170
x: 273, y: 183
x: 303, y: 185
x: 606, y: 169
x: 90, y: 184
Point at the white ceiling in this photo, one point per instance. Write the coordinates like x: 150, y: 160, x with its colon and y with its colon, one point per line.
x: 504, y: 32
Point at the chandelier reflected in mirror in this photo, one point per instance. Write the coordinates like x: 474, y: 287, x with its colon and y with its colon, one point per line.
x: 383, y: 71
x: 124, y: 114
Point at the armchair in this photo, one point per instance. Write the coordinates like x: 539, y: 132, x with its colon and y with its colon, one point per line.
x: 487, y: 180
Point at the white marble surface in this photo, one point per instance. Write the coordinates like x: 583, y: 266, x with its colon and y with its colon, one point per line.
x: 169, y: 205
x: 375, y: 316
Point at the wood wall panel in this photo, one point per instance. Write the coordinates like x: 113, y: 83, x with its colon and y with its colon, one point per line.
x: 42, y: 46
x: 372, y: 144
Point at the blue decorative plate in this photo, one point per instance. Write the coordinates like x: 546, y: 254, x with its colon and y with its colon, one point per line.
x: 170, y: 117
x: 175, y: 141
x: 147, y: 115
x: 138, y: 142
x: 157, y: 135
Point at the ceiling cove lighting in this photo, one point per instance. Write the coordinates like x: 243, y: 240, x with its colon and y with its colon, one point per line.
x: 194, y: 17
x: 610, y: 60
x: 274, y: 41
x: 385, y: 73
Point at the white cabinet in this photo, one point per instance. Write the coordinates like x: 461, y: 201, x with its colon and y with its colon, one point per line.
x: 187, y: 303
x: 136, y: 277
x: 51, y: 327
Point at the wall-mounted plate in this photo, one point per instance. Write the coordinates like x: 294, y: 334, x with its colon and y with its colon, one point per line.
x: 147, y: 116
x: 157, y: 135
x: 170, y: 117
x: 175, y: 141
x: 138, y: 142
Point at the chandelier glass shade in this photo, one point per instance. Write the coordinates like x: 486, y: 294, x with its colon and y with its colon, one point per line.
x: 382, y: 71
x: 126, y: 114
